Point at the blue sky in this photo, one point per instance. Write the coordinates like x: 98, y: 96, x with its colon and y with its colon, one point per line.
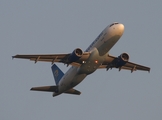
x: 43, y: 27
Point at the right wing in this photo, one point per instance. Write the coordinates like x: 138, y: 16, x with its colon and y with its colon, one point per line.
x: 63, y: 58
x: 133, y: 67
x: 128, y: 66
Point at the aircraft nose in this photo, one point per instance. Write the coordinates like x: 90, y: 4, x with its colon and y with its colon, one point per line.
x: 121, y: 29
x: 116, y: 29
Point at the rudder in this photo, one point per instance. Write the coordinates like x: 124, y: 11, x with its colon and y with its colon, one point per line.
x: 57, y: 73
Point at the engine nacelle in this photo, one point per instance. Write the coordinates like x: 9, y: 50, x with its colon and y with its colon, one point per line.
x: 121, y: 60
x: 75, y: 55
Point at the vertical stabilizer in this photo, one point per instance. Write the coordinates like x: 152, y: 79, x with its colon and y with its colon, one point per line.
x: 57, y: 73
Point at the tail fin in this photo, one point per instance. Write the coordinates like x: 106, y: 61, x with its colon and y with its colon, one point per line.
x: 57, y: 73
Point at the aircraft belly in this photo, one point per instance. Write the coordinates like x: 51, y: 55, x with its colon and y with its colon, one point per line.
x: 70, y: 79
x: 67, y: 79
x: 76, y: 80
x: 92, y: 63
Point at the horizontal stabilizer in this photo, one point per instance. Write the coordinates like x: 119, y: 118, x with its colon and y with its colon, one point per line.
x: 73, y: 91
x: 45, y: 88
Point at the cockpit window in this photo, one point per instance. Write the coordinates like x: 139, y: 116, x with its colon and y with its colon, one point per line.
x: 114, y: 24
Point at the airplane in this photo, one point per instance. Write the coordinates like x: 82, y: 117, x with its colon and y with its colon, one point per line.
x: 96, y: 56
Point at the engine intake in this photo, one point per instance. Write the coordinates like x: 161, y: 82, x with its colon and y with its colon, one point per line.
x: 124, y: 57
x: 75, y: 55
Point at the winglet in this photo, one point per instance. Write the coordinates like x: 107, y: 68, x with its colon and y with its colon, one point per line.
x: 149, y: 70
x: 13, y: 57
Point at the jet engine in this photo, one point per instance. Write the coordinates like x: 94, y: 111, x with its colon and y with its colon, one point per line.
x: 75, y: 55
x: 121, y: 60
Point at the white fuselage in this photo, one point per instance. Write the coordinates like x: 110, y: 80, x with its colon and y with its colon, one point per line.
x: 98, y: 52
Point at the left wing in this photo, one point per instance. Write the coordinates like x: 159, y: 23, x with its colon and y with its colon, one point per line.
x: 45, y: 58
x: 62, y: 58
x: 128, y: 66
